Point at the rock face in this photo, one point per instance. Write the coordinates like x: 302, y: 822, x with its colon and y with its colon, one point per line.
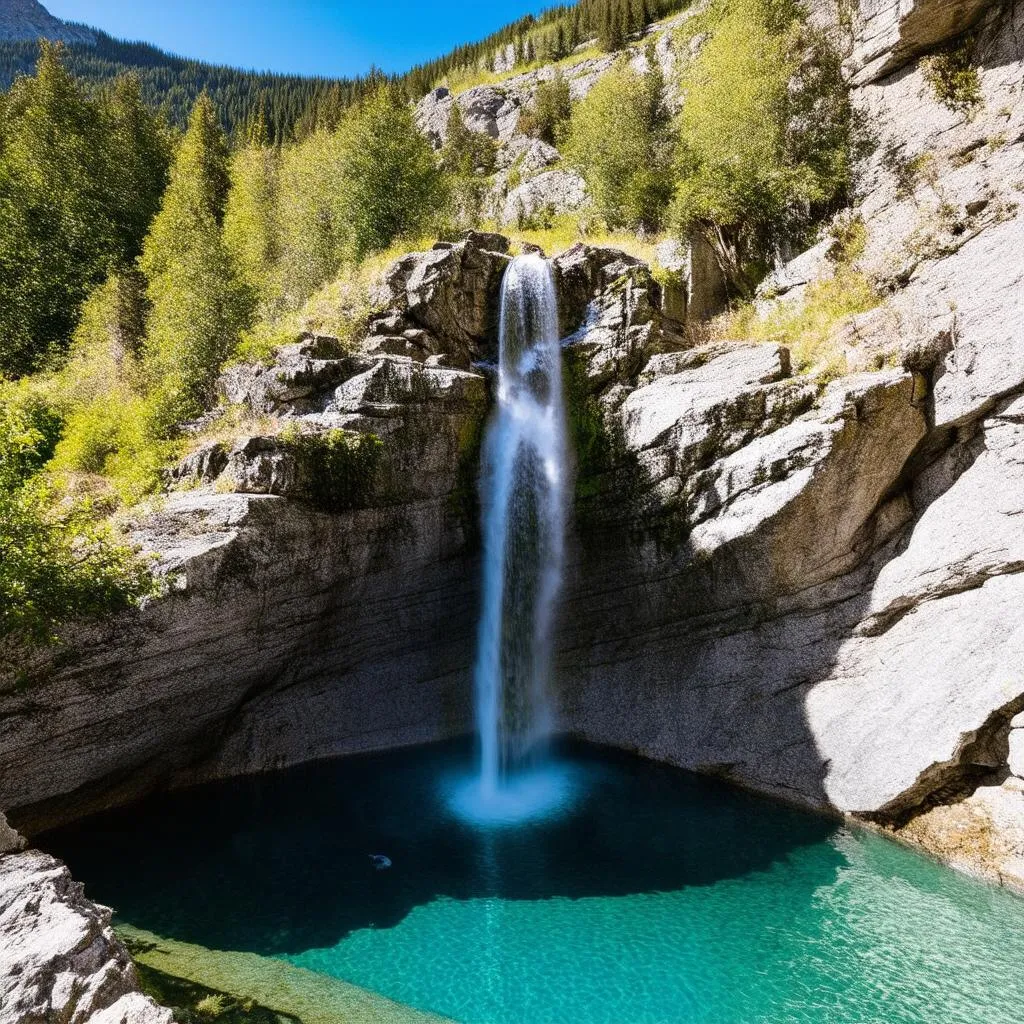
x: 59, y: 957
x: 29, y: 20
x: 554, y: 192
x: 890, y: 33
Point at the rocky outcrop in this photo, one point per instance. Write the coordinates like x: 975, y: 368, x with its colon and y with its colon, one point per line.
x: 612, y: 313
x: 550, y: 192
x: 10, y: 841
x: 447, y: 298
x: 59, y: 957
x: 29, y: 20
x: 890, y: 33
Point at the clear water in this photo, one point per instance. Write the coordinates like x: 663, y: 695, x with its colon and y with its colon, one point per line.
x: 656, y: 898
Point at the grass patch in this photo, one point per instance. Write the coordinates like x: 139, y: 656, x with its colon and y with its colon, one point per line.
x: 807, y: 328
x: 338, y: 309
x: 564, y: 232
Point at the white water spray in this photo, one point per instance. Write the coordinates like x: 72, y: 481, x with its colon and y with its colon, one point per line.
x: 524, y: 495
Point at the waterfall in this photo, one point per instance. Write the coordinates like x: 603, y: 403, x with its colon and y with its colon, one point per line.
x: 524, y: 496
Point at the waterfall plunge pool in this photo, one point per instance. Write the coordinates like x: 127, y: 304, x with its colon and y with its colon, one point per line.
x: 654, y: 897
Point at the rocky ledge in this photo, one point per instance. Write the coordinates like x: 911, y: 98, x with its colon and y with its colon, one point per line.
x: 59, y: 957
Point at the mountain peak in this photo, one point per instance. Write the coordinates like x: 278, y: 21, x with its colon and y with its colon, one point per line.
x: 29, y: 20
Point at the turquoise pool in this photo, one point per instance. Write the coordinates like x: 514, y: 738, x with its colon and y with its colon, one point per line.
x: 655, y: 897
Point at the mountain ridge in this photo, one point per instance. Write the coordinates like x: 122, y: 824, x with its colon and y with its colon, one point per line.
x: 29, y: 21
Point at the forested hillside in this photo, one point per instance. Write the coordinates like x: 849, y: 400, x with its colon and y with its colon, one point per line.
x: 291, y: 106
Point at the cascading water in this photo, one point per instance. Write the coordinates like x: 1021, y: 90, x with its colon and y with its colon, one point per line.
x: 524, y: 494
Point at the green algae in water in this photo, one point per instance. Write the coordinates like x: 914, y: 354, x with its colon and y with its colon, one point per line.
x: 656, y: 898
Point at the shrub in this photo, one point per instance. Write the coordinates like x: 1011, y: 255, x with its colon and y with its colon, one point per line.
x: 550, y: 110
x: 468, y: 157
x: 953, y: 77
x: 389, y: 184
x: 56, y: 562
x: 251, y: 230
x: 338, y: 468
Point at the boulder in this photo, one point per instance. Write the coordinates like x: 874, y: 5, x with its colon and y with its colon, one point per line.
x: 550, y: 192
x: 486, y: 109
x: 59, y: 957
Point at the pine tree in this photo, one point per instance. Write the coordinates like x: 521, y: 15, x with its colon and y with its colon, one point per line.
x: 79, y: 181
x: 251, y: 230
x: 199, y: 303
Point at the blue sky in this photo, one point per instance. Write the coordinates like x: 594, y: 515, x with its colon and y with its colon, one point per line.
x: 314, y: 37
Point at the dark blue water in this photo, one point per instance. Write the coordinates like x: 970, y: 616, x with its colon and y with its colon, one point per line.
x: 656, y: 898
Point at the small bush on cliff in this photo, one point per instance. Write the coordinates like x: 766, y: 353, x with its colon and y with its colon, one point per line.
x: 953, y: 76
x: 390, y: 185
x: 338, y: 469
x: 808, y: 327
x: 619, y: 139
x: 763, y: 135
x: 252, y: 231
x: 549, y: 113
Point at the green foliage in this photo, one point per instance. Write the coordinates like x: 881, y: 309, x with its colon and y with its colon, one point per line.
x: 199, y: 303
x: 809, y: 327
x: 953, y: 76
x: 468, y: 157
x: 55, y: 561
x: 338, y: 468
x: 251, y: 229
x: 389, y: 182
x: 310, y: 242
x: 764, y: 133
x: 107, y: 424
x: 550, y: 110
x: 343, y: 195
x: 80, y: 180
x: 619, y: 139
x: 467, y: 153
